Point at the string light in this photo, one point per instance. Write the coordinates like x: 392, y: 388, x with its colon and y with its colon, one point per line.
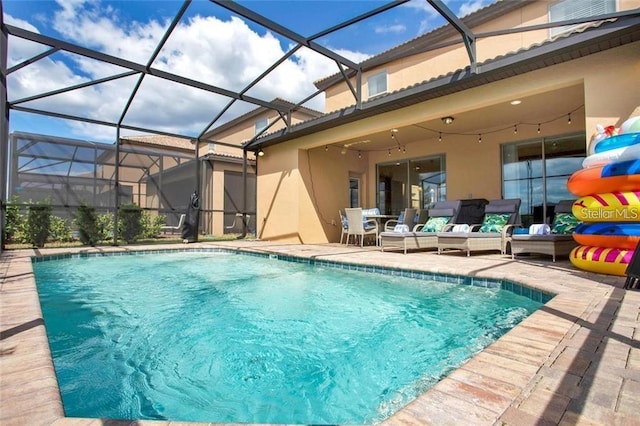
x: 326, y: 148
x: 441, y: 134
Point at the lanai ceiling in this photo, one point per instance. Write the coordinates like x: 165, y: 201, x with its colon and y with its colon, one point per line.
x: 538, y: 108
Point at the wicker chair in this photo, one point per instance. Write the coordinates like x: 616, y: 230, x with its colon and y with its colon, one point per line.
x: 358, y: 226
x: 405, y: 218
x: 486, y: 236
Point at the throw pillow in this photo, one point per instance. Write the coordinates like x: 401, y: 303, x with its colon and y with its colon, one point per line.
x: 564, y: 223
x: 435, y: 224
x: 494, y: 222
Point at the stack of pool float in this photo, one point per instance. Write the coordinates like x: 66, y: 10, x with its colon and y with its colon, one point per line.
x: 609, y: 207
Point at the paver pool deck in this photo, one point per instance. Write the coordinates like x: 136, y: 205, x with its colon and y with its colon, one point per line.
x: 575, y: 361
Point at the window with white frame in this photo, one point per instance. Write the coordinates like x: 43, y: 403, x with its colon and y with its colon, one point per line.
x: 261, y: 124
x: 377, y: 84
x: 564, y: 10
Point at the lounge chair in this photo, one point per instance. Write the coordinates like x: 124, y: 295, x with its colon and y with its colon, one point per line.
x: 500, y: 217
x: 557, y: 242
x: 405, y: 218
x: 359, y: 226
x: 171, y: 228
x: 423, y: 235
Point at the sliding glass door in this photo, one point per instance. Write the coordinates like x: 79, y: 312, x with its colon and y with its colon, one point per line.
x: 537, y: 172
x: 416, y: 183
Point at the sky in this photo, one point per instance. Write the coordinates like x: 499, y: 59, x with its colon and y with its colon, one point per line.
x: 210, y: 44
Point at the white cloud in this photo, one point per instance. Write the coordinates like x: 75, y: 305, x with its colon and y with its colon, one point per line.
x: 398, y: 28
x: 227, y: 54
x: 472, y: 6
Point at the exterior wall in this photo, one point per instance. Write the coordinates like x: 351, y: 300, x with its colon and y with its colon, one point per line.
x: 610, y: 101
x: 310, y: 201
x: 425, y: 66
x: 277, y: 195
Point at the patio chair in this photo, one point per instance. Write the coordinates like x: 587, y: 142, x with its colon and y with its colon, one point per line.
x: 344, y: 225
x: 405, y: 218
x: 358, y: 226
x: 238, y: 222
x: 558, y: 241
x: 501, y: 216
x: 171, y: 228
x: 424, y: 234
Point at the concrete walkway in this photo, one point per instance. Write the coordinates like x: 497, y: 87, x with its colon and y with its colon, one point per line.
x: 575, y: 361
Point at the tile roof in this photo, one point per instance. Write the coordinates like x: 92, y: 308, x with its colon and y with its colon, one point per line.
x: 160, y: 140
x: 277, y: 101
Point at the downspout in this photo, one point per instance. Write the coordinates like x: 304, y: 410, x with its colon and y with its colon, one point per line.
x: 197, y: 178
x: 244, y: 194
x: 116, y: 177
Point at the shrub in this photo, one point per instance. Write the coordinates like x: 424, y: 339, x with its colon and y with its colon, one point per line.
x: 151, y: 225
x: 15, y: 230
x: 60, y: 230
x: 86, y: 221
x: 38, y: 223
x: 105, y: 226
x: 130, y: 223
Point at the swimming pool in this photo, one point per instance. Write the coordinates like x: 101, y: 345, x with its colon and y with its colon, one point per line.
x: 183, y: 336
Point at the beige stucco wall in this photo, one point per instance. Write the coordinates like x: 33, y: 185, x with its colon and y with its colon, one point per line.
x: 245, y: 130
x: 296, y: 205
x: 425, y: 66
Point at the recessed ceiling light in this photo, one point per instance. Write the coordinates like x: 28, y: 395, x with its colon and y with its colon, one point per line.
x: 394, y: 130
x: 516, y: 102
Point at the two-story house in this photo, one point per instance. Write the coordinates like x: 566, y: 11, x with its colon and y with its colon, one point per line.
x: 502, y: 106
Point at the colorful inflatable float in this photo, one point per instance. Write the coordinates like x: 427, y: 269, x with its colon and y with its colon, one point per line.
x: 609, y: 205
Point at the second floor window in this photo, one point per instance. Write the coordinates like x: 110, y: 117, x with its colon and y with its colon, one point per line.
x: 564, y: 10
x: 261, y: 124
x: 377, y: 84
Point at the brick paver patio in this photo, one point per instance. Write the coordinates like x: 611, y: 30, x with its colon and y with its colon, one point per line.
x: 575, y: 361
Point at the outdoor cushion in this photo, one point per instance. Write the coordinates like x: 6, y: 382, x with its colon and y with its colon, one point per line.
x: 494, y: 222
x: 371, y: 211
x: 564, y: 223
x: 435, y: 224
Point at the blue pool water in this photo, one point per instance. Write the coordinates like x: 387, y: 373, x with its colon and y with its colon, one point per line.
x: 223, y: 337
